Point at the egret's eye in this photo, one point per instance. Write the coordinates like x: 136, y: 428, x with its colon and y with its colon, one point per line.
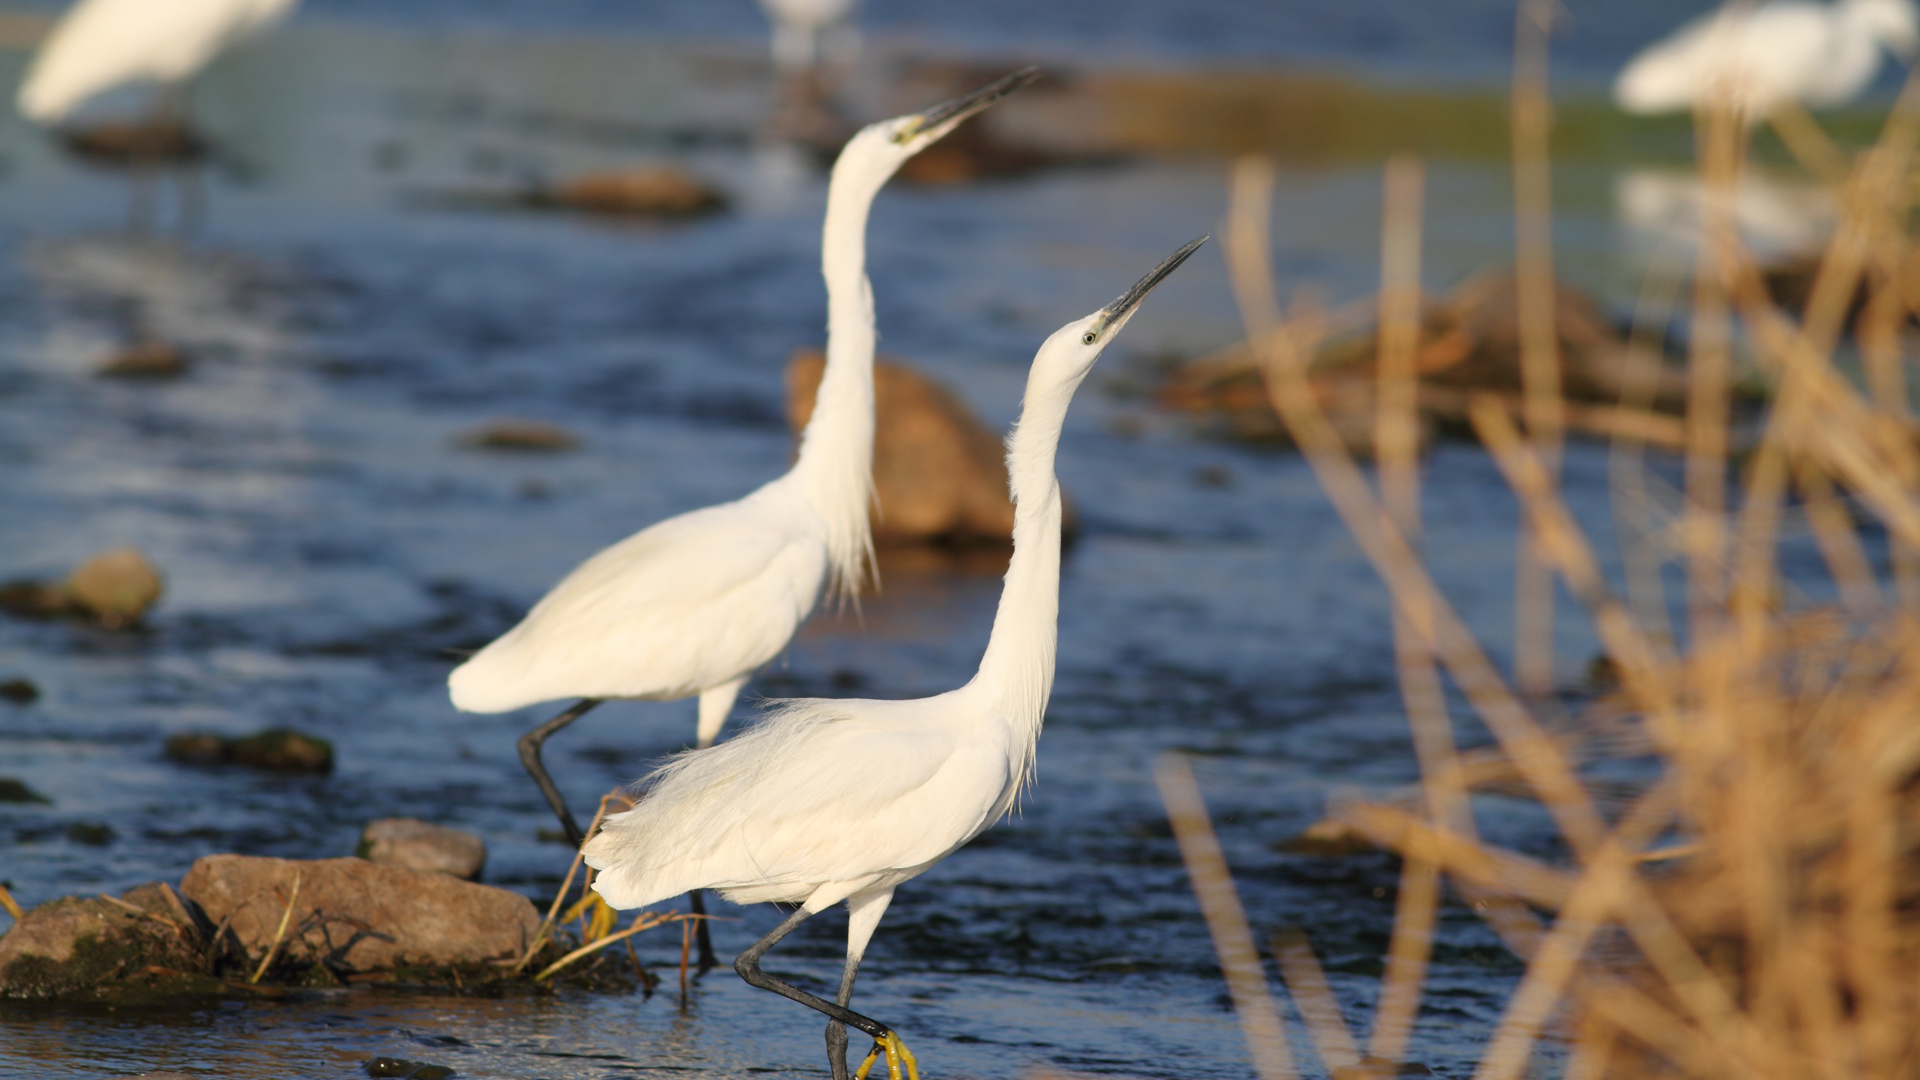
x: 1087, y: 338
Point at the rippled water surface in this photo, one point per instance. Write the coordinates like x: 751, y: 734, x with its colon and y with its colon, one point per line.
x: 329, y: 544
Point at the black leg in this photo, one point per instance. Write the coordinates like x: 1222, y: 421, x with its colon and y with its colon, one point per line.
x: 701, y: 939
x: 530, y: 757
x: 748, y: 965
x: 837, y: 1031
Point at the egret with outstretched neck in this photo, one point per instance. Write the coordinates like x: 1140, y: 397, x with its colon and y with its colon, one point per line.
x: 693, y: 605
x: 827, y: 800
x: 1756, y: 58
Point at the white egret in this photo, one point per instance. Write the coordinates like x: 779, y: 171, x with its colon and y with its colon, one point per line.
x: 801, y: 27
x: 827, y: 800
x: 1759, y: 57
x: 102, y: 44
x: 693, y: 605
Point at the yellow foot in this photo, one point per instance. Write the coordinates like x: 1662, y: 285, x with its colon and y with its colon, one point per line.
x: 897, y: 1055
x: 600, y: 917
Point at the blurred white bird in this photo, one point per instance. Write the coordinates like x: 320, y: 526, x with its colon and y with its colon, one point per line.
x: 804, y: 30
x: 695, y: 604
x: 1759, y: 57
x: 102, y: 44
x: 829, y: 800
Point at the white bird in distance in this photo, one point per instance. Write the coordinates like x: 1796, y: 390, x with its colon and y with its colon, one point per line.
x: 1756, y: 58
x: 693, y: 605
x: 99, y: 45
x: 830, y: 800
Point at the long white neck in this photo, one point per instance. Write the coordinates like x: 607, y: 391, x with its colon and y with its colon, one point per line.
x: 835, y: 466
x: 1017, y: 671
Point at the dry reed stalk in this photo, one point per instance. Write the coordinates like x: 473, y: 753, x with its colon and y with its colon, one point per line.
x: 1532, y: 120
x: 11, y: 905
x: 1226, y: 920
x: 1709, y: 374
x: 1313, y: 996
x: 566, y: 885
x: 646, y: 920
x: 1396, y: 452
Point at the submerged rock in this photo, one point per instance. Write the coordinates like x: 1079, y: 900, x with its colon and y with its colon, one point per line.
x: 16, y: 791
x: 19, y: 691
x: 939, y: 475
x: 124, y: 144
x: 145, y: 360
x: 351, y: 915
x: 422, y: 845
x: 76, y: 946
x: 407, y: 1070
x: 275, y: 750
x: 651, y: 192
x: 526, y: 435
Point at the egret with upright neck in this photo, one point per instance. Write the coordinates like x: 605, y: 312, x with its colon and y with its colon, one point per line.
x: 829, y: 800
x: 693, y: 605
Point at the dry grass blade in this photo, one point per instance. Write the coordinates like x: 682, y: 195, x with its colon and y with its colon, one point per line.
x: 1313, y: 996
x: 646, y: 920
x: 11, y: 905
x: 1539, y: 343
x: 566, y: 885
x: 280, y: 934
x: 1226, y: 920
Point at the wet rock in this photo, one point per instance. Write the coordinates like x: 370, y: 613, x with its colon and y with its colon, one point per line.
x: 123, y: 144
x: 92, y: 834
x: 283, y: 750
x: 1469, y: 345
x: 16, y: 791
x: 654, y: 192
x: 524, y: 435
x: 1373, y: 1068
x: 76, y: 946
x: 1328, y: 838
x: 411, y: 1070
x: 19, y: 691
x: 161, y: 1076
x: 275, y: 749
x: 423, y: 845
x: 938, y: 474
x: 355, y: 916
x: 146, y: 360
x: 34, y: 600
x: 115, y: 587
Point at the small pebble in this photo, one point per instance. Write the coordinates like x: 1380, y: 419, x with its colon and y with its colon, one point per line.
x: 14, y: 791
x: 115, y: 587
x: 196, y: 748
x: 19, y: 691
x: 147, y: 360
x: 524, y: 435
x: 637, y: 192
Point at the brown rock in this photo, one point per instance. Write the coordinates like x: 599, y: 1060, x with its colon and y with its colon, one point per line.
x: 115, y: 587
x: 423, y: 845
x: 526, y: 435
x: 938, y: 474
x: 1328, y: 838
x: 633, y: 193
x: 146, y: 360
x: 353, y: 915
x: 77, y: 944
x: 145, y: 142
x: 282, y: 750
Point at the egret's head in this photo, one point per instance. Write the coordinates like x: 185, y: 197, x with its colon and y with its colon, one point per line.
x: 881, y: 148
x: 1075, y: 346
x: 1893, y: 23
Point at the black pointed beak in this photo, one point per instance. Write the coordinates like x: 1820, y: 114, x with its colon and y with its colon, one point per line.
x: 952, y: 112
x: 1132, y: 297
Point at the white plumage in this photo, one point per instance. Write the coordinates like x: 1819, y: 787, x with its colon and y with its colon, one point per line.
x: 829, y: 800
x: 1759, y: 57
x: 102, y: 44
